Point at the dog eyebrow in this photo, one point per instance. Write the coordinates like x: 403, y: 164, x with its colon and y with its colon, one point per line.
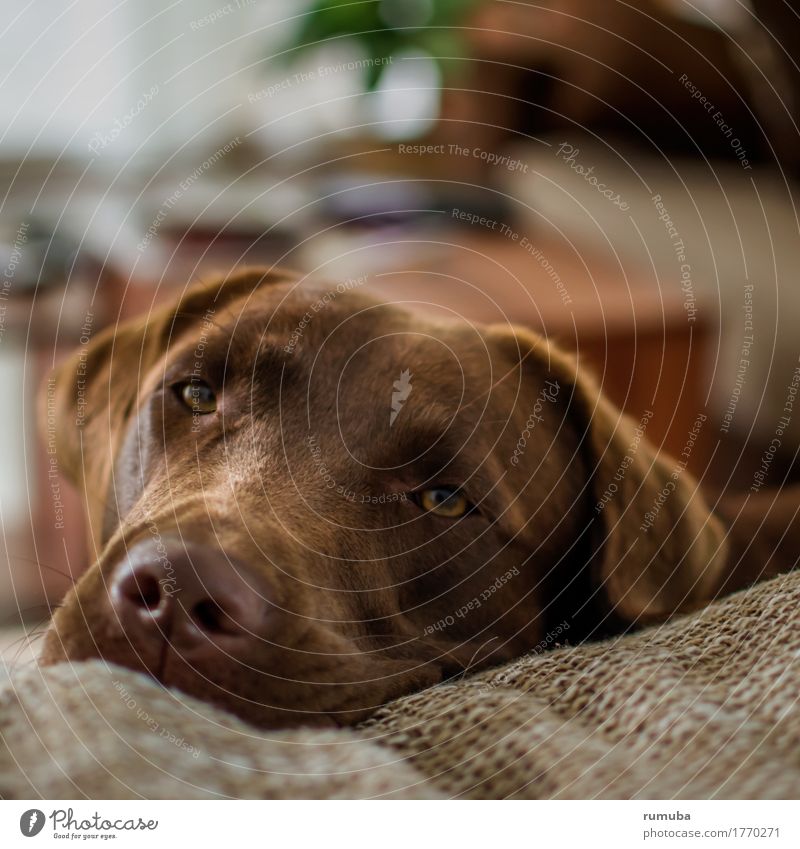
x: 438, y: 450
x: 249, y: 345
x: 430, y: 434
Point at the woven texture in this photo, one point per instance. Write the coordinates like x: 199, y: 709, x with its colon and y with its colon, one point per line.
x: 706, y: 706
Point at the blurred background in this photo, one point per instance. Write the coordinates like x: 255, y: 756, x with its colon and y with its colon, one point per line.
x: 619, y: 176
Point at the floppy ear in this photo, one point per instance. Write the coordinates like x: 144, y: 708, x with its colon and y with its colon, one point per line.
x: 93, y: 393
x: 657, y: 548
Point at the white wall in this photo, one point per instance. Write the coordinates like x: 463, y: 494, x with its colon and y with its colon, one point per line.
x: 69, y: 70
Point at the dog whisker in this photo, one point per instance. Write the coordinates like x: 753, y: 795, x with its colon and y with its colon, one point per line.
x: 24, y: 642
x: 473, y: 661
x: 436, y: 648
x: 43, y: 565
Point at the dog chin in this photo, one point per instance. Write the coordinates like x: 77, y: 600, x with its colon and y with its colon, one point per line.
x: 287, y: 704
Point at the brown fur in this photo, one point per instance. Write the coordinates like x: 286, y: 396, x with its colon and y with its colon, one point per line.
x: 366, y: 591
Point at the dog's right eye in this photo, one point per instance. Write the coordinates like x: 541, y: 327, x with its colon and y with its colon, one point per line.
x: 197, y: 396
x: 446, y: 501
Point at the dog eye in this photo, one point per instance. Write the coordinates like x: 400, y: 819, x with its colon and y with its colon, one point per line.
x: 445, y: 501
x: 197, y: 395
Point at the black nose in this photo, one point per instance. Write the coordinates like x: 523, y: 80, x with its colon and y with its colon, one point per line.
x: 196, y: 597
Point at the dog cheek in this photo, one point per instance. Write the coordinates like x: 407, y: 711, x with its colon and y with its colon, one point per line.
x: 53, y: 650
x: 140, y: 455
x: 77, y: 625
x: 64, y: 639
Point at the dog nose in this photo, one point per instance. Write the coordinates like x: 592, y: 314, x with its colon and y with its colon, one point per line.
x: 195, y: 597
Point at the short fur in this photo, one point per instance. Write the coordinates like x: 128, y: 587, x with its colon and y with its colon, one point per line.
x: 300, y: 476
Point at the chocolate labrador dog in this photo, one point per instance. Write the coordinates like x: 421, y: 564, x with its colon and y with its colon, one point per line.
x: 305, y: 502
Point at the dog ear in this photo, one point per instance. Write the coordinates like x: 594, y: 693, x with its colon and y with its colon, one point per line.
x: 656, y: 547
x: 92, y: 394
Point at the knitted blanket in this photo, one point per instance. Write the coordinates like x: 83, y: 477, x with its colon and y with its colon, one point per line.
x: 707, y: 706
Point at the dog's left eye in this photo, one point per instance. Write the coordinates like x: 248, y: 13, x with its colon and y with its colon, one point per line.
x: 197, y: 395
x: 445, y: 501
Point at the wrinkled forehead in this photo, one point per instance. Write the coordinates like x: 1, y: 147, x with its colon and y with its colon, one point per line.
x: 323, y: 333
x: 350, y: 361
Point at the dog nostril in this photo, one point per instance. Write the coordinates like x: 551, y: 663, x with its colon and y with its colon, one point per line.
x: 149, y: 592
x: 198, y: 599
x: 142, y: 589
x: 211, y: 618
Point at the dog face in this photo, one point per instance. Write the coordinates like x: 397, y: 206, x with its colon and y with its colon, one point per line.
x: 304, y: 502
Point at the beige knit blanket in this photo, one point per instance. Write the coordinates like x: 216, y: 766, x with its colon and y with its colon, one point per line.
x: 706, y: 706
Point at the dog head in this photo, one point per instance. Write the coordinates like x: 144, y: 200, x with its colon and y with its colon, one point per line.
x: 303, y: 502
